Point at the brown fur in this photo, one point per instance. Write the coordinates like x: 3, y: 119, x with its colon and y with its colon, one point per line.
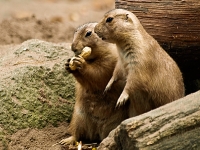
x: 153, y: 78
x: 94, y: 114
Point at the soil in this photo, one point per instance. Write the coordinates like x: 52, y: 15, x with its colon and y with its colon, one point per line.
x: 49, y: 20
x: 35, y: 139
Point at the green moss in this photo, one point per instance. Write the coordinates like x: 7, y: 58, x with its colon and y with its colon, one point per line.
x: 42, y: 97
x: 4, y: 141
x: 37, y: 95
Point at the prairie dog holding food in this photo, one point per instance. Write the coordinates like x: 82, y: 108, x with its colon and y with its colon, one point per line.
x: 152, y: 76
x: 94, y: 114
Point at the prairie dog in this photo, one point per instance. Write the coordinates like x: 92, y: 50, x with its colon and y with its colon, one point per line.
x: 152, y: 76
x: 94, y: 114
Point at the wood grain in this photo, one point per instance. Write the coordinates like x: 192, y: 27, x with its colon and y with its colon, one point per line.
x: 174, y: 126
x: 175, y: 24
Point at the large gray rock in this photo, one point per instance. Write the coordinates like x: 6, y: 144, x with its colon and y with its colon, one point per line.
x: 173, y: 126
x: 35, y: 88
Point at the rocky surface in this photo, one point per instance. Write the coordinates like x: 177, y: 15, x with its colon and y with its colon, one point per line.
x: 35, y: 89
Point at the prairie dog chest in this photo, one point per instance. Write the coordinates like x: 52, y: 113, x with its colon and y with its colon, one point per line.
x: 126, y: 58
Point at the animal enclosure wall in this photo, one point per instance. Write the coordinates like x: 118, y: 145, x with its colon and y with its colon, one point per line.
x: 176, y: 26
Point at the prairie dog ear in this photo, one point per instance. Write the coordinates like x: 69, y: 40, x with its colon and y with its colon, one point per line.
x: 128, y: 18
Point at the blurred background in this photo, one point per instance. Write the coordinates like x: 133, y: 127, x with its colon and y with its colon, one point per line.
x: 49, y: 20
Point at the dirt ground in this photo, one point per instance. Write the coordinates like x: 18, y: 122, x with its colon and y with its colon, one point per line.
x: 49, y: 20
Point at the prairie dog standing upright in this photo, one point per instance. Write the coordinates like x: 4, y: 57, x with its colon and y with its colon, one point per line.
x: 94, y: 114
x: 152, y: 76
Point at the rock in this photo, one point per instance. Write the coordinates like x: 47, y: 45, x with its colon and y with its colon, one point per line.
x: 172, y: 126
x: 35, y: 88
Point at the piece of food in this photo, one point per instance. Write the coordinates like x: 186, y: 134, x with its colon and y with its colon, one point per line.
x: 71, y: 64
x: 80, y: 146
x: 84, y: 54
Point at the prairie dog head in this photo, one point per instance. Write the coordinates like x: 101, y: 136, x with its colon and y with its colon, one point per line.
x: 116, y: 25
x: 86, y: 37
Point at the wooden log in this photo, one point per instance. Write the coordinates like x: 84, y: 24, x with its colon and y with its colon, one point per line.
x: 172, y: 126
x: 175, y: 24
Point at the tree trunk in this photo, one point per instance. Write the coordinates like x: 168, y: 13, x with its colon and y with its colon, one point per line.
x: 172, y: 126
x: 175, y: 25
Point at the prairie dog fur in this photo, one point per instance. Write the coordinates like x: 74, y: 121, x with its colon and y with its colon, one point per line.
x: 152, y: 76
x: 94, y: 114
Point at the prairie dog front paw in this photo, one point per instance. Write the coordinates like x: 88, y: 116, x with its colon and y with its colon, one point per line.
x: 84, y: 54
x: 67, y: 141
x: 122, y: 99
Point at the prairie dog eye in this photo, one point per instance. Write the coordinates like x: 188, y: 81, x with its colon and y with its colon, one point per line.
x: 109, y: 19
x: 88, y: 33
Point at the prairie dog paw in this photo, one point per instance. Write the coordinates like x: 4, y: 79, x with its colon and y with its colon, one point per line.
x: 76, y: 62
x: 67, y: 141
x: 122, y: 99
x: 108, y: 86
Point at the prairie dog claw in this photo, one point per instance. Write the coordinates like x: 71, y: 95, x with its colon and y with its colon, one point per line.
x: 122, y: 99
x: 67, y: 141
x: 84, y: 54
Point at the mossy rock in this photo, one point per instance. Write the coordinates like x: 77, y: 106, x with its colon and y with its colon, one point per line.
x: 35, y: 88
